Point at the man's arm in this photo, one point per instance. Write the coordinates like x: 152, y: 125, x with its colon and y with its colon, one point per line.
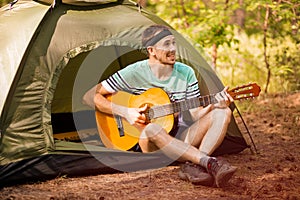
x: 224, y: 100
x: 199, y: 112
x: 95, y: 98
x: 88, y: 97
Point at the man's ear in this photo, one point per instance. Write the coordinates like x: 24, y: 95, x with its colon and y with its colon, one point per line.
x: 150, y: 51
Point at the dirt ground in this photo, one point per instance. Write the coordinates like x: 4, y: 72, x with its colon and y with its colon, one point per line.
x: 272, y: 173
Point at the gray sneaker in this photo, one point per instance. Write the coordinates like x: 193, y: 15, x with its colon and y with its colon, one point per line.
x: 195, y: 174
x: 221, y: 171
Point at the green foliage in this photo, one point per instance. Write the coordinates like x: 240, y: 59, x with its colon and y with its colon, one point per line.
x: 283, y: 20
x: 244, y: 62
x: 238, y: 32
x: 285, y: 62
x: 4, y: 2
x: 206, y: 25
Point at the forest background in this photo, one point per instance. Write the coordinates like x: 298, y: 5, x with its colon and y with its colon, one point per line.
x: 243, y: 40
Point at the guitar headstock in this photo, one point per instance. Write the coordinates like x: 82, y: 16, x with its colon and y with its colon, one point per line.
x: 250, y: 90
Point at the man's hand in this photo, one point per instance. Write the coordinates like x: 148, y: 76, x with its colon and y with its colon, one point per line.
x: 136, y: 116
x: 223, y: 98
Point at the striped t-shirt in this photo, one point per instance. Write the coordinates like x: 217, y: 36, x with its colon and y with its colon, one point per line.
x: 138, y: 77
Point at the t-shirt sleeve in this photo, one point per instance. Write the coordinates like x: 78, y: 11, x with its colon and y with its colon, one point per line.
x: 119, y: 80
x: 107, y: 86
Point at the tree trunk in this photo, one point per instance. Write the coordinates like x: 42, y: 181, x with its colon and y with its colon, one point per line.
x: 214, y: 56
x: 142, y: 3
x: 186, y: 24
x: 265, y: 48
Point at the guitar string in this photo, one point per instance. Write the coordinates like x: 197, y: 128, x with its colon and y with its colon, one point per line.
x: 162, y: 110
x: 166, y: 109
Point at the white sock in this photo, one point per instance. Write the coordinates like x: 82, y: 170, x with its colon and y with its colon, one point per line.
x: 204, y: 161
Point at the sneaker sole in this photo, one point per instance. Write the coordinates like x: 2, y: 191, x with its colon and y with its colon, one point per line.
x: 224, y: 176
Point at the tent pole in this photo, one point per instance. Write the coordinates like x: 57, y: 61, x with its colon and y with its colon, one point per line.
x: 250, y: 136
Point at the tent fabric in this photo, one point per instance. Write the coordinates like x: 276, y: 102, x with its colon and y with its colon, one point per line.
x: 67, y: 162
x: 79, y: 2
x: 56, y: 55
x: 17, y: 27
x: 50, y: 166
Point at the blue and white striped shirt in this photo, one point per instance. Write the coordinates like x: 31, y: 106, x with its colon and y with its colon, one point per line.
x: 138, y: 77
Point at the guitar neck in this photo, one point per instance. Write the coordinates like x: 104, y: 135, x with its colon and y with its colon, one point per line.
x: 167, y: 109
x: 241, y: 92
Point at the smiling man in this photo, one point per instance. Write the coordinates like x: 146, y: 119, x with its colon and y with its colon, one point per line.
x: 189, y: 141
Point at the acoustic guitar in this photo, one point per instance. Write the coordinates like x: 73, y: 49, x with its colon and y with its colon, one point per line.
x: 115, y: 132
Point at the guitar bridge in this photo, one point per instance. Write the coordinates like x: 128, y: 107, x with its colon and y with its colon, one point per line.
x: 120, y: 125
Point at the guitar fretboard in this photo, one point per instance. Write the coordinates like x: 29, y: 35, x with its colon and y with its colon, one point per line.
x: 167, y: 109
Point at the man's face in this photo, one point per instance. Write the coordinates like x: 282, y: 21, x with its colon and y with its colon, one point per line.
x: 165, y: 50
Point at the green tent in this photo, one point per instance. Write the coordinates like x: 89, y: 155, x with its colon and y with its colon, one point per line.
x: 50, y: 55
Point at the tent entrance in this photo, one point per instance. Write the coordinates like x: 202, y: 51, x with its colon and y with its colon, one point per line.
x: 71, y: 120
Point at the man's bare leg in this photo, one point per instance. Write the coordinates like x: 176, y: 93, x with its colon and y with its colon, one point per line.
x: 215, y: 125
x: 208, y: 132
x: 155, y: 138
x: 211, y: 132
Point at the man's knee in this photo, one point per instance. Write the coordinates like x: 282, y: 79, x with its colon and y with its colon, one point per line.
x: 224, y: 113
x: 228, y: 113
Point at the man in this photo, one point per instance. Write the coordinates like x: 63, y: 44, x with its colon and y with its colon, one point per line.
x: 190, y: 142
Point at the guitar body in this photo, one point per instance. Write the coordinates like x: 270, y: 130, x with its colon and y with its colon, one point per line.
x: 108, y: 126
